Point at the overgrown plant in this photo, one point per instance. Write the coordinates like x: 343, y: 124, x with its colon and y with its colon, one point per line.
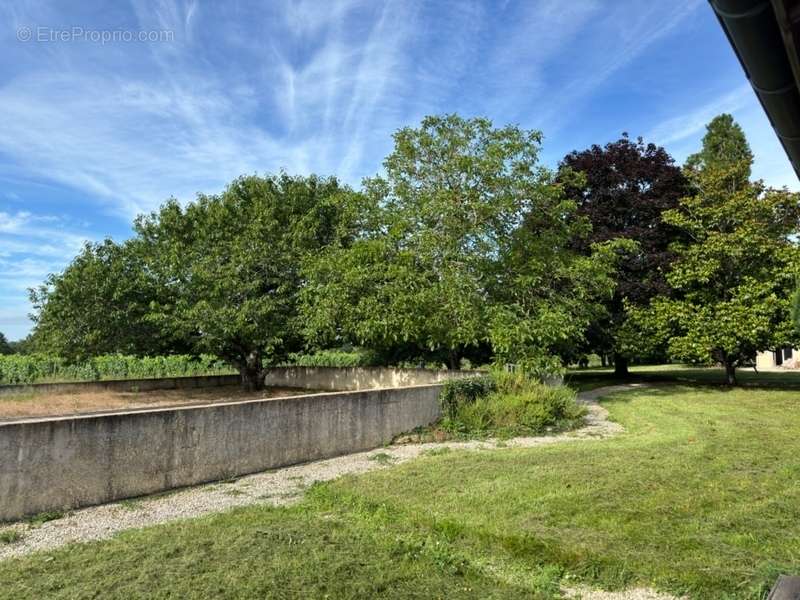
x: 10, y: 536
x: 507, y: 404
x: 457, y: 393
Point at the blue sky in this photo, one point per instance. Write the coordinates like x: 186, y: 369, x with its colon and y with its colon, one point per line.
x: 92, y: 133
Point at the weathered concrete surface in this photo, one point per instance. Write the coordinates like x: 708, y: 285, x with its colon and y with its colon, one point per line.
x: 357, y: 378
x: 67, y: 462
x: 311, y: 378
x: 123, y: 385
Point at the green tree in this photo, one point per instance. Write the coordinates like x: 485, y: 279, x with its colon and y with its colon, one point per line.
x: 219, y: 276
x: 99, y: 305
x: 548, y: 293
x: 230, y: 265
x: 733, y: 278
x: 22, y: 346
x: 725, y: 147
x: 5, y: 346
x: 444, y: 253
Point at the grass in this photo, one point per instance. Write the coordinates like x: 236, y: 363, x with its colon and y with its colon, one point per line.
x: 382, y: 458
x: 9, y: 536
x: 132, y: 504
x: 43, y: 517
x: 586, y: 379
x: 701, y: 496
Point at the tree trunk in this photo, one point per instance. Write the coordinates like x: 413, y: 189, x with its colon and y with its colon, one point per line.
x: 730, y: 372
x: 603, y: 361
x: 454, y: 360
x: 620, y: 366
x: 251, y: 371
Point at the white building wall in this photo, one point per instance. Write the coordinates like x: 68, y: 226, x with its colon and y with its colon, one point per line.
x: 767, y: 360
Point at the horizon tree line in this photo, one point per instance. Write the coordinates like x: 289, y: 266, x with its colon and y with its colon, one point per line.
x: 465, y: 247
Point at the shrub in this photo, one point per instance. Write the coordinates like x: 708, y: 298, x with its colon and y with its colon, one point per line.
x: 334, y: 358
x: 507, y: 404
x: 41, y: 518
x: 525, y: 413
x: 457, y: 393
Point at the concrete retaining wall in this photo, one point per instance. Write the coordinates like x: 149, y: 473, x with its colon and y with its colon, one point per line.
x: 122, y: 385
x: 356, y: 378
x: 309, y: 378
x: 68, y: 462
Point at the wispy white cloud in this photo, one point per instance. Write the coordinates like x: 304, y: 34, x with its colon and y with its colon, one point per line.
x: 31, y: 247
x: 129, y: 144
x: 682, y: 134
x: 13, y: 222
x: 379, y: 74
x: 295, y: 84
x: 615, y: 34
x: 304, y: 17
x: 327, y: 91
x: 688, y: 124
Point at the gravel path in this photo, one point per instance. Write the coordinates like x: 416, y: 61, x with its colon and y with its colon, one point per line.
x: 284, y: 486
x: 632, y: 594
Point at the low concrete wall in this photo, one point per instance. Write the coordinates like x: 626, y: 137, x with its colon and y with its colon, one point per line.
x: 309, y: 378
x: 62, y: 463
x: 122, y: 385
x: 357, y: 378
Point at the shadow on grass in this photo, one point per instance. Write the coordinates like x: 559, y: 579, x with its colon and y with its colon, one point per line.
x: 659, y: 374
x: 667, y: 390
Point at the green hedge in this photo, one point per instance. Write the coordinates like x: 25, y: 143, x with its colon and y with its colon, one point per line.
x: 334, y: 358
x: 43, y: 368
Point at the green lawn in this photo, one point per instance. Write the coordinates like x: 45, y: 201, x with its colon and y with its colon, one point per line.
x: 700, y: 496
x: 595, y: 377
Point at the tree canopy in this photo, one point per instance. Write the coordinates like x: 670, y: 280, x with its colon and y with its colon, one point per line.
x: 101, y: 304
x: 734, y: 271
x: 464, y: 241
x: 220, y: 275
x: 625, y: 187
x: 724, y: 147
x: 464, y: 246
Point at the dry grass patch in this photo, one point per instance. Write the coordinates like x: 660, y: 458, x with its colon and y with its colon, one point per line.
x: 30, y: 404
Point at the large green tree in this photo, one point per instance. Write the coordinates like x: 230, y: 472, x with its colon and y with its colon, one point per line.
x: 464, y: 241
x: 231, y: 266
x: 221, y: 275
x: 733, y: 276
x: 625, y: 187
